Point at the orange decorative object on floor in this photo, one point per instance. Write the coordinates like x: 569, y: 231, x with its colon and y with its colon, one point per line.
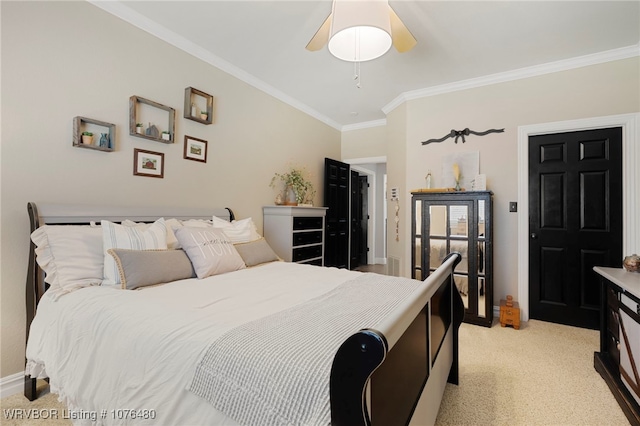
x: 509, y: 313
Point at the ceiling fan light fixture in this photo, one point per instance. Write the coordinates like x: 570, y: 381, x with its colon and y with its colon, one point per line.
x: 360, y: 30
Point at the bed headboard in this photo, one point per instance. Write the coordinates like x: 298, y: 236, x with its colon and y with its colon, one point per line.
x: 77, y: 214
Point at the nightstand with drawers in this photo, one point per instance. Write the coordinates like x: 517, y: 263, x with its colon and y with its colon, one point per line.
x: 295, y: 233
x: 618, y: 361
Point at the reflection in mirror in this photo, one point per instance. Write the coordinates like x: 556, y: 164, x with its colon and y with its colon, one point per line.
x: 463, y: 288
x: 458, y: 220
x: 462, y: 248
x: 481, y: 298
x: 481, y: 275
x: 437, y: 253
x: 418, y: 272
x: 438, y: 222
x: 481, y: 258
x: 481, y: 218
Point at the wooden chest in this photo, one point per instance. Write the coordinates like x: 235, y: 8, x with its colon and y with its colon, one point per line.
x: 509, y: 313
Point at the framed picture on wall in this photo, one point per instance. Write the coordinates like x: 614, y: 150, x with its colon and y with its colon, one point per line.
x: 195, y: 149
x: 148, y: 163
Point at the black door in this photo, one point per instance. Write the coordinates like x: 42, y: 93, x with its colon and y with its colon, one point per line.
x: 363, y: 218
x: 356, y: 213
x: 359, y: 220
x: 575, y: 222
x: 336, y: 198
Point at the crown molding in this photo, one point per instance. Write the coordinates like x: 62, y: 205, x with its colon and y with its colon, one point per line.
x: 521, y: 73
x: 140, y: 21
x: 364, y: 125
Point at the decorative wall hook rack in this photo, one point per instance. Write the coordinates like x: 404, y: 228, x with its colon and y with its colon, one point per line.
x: 461, y: 134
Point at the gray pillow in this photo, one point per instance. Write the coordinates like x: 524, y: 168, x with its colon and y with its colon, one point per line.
x: 209, y: 250
x: 256, y: 252
x: 139, y: 268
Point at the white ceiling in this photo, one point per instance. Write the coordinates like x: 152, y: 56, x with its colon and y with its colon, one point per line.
x: 460, y: 44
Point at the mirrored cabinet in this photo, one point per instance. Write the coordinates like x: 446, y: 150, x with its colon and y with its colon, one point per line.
x: 445, y: 222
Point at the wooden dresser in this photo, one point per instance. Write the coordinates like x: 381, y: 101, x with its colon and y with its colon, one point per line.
x: 618, y: 361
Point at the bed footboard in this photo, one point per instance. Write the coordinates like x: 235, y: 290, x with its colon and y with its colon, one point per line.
x: 378, y: 376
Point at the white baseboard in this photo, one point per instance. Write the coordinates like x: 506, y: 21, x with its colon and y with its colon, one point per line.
x: 381, y: 260
x: 12, y: 384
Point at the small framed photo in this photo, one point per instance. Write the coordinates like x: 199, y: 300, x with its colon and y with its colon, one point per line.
x: 148, y: 163
x: 195, y: 149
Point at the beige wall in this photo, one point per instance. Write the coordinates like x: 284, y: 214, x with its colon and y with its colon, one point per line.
x: 594, y: 91
x: 364, y: 143
x: 599, y: 90
x: 67, y: 59
x: 396, y: 136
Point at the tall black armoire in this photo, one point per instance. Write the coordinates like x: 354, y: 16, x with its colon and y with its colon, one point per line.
x: 444, y: 222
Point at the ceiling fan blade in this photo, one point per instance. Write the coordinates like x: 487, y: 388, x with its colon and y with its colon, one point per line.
x: 321, y: 37
x: 402, y: 38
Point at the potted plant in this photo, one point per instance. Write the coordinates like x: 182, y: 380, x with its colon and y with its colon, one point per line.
x: 87, y: 138
x: 140, y: 128
x: 203, y: 115
x: 297, y: 188
x: 166, y: 135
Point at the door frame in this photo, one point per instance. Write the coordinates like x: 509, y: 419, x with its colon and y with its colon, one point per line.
x: 630, y: 176
x: 371, y: 194
x: 373, y: 213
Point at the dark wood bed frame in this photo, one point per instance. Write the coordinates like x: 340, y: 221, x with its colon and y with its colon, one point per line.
x: 378, y: 377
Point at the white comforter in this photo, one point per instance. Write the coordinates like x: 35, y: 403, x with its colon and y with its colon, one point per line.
x: 106, y: 350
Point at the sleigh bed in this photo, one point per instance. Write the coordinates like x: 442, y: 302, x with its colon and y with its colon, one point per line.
x: 270, y: 342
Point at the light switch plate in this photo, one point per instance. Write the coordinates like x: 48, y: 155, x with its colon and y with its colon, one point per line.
x: 513, y: 206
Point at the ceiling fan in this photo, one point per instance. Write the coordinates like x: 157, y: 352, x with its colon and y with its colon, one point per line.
x: 362, y: 30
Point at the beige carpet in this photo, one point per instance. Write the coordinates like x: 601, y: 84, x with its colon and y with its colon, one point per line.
x: 541, y: 374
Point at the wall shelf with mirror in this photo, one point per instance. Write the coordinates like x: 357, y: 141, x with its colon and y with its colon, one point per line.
x: 198, y: 106
x: 94, y: 134
x: 444, y: 222
x: 151, y: 120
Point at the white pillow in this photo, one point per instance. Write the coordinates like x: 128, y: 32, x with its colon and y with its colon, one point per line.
x: 238, y: 231
x: 173, y: 223
x: 197, y: 223
x: 210, y: 251
x: 70, y: 255
x: 153, y: 237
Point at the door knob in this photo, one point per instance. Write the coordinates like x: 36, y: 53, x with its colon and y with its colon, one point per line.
x: 534, y: 236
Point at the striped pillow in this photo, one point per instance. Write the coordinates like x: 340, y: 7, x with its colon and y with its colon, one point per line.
x: 134, y: 238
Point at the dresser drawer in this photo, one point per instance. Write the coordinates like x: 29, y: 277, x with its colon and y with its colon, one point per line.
x: 612, y: 323
x: 633, y: 307
x: 304, y: 238
x: 302, y: 223
x: 305, y: 253
x: 613, y: 350
x: 316, y: 262
x: 612, y: 298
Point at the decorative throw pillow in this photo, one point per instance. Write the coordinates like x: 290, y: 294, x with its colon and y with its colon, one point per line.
x: 71, y: 256
x: 197, y: 223
x: 139, y: 268
x: 172, y: 241
x: 256, y: 252
x: 129, y: 237
x: 209, y: 250
x: 238, y: 231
